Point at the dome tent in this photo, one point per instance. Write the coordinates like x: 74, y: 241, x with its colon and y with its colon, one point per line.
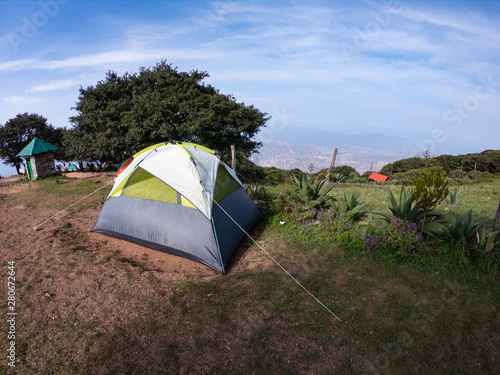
x: 171, y: 197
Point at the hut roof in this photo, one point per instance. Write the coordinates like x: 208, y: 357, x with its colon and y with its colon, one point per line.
x: 378, y: 177
x: 37, y: 146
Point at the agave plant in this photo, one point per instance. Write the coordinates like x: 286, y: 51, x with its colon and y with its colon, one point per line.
x: 338, y: 177
x: 486, y: 241
x: 408, y: 209
x: 256, y: 191
x: 311, y: 192
x: 454, y: 197
x: 349, y: 207
x: 461, y: 228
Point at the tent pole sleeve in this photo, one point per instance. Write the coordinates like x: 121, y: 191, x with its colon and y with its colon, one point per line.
x: 96, y: 214
x: 218, y: 247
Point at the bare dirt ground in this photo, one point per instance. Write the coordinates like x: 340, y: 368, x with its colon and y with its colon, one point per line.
x: 172, y: 267
x: 66, y: 275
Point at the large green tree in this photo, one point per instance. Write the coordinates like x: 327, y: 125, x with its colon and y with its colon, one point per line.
x: 20, y: 130
x: 121, y: 115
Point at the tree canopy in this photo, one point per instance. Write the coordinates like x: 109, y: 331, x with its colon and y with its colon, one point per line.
x: 119, y: 116
x: 20, y: 130
x: 486, y: 161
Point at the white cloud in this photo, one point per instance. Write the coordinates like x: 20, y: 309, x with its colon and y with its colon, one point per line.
x: 469, y: 22
x: 15, y: 64
x: 51, y: 86
x: 19, y: 100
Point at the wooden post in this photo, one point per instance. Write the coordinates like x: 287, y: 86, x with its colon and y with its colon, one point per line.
x: 233, y: 158
x: 427, y: 155
x: 367, y: 179
x: 497, y: 218
x: 332, y: 164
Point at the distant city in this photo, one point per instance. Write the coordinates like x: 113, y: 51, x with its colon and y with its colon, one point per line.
x: 298, y: 147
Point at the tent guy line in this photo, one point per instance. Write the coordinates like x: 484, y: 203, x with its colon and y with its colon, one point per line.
x: 71, y: 205
x: 280, y: 266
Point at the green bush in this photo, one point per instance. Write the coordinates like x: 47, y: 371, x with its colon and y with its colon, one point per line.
x: 399, y: 240
x: 474, y: 175
x: 320, y: 225
x: 430, y: 189
x: 284, y: 203
x: 275, y: 175
x: 406, y: 178
x: 457, y: 173
x: 487, y: 177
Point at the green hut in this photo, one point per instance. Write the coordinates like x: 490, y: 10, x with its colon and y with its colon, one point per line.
x: 39, y: 157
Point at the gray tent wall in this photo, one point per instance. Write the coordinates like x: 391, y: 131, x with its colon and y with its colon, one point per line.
x: 240, y: 207
x: 167, y: 227
x: 180, y: 230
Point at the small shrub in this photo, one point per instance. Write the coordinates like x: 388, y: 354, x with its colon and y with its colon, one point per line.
x: 406, y: 178
x: 320, y: 225
x: 284, y: 203
x: 275, y: 176
x: 430, y: 189
x: 474, y: 175
x: 400, y: 239
x: 457, y: 174
x: 487, y: 177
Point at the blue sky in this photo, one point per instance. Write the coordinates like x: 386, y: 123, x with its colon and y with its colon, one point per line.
x: 427, y: 71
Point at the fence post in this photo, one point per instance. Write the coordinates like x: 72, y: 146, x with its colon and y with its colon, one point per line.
x: 331, y: 166
x: 233, y: 158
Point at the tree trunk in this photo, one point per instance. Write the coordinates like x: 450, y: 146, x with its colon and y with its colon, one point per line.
x: 423, y: 221
x: 497, y: 217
